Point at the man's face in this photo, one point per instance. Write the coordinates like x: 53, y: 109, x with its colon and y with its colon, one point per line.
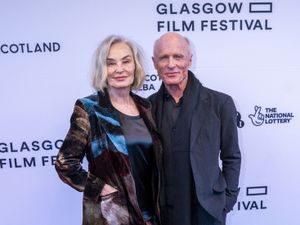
x: 172, y: 59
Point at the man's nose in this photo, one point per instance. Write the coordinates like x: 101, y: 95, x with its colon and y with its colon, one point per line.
x: 171, y: 63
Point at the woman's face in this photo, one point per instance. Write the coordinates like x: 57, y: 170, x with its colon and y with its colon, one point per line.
x: 120, y: 66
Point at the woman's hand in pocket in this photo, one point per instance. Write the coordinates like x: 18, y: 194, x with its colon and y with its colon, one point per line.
x: 107, y: 189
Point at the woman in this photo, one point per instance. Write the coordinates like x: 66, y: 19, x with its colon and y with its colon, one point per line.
x: 115, y: 131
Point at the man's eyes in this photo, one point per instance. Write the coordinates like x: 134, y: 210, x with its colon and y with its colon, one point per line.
x: 178, y: 57
x: 164, y: 57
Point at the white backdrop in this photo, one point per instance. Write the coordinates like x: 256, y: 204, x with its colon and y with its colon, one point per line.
x: 248, y: 49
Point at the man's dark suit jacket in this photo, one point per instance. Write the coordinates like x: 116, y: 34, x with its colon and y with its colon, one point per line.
x: 213, y: 136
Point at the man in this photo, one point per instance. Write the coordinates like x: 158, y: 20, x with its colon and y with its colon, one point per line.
x: 197, y: 126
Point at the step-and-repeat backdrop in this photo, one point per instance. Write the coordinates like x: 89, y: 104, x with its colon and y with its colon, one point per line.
x: 248, y: 49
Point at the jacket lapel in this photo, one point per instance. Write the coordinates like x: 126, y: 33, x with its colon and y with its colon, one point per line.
x: 199, y: 117
x: 158, y: 108
x: 108, y: 119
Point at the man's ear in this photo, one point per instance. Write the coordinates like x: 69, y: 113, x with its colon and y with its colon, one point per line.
x: 153, y: 62
x: 191, y: 60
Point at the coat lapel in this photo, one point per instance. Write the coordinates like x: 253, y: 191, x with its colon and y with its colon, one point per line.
x: 158, y: 108
x: 108, y: 119
x: 199, y: 117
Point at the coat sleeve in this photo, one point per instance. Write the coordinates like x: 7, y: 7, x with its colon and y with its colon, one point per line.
x: 230, y: 152
x: 68, y: 163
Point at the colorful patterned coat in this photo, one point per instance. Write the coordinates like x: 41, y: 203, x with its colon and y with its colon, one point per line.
x: 95, y: 132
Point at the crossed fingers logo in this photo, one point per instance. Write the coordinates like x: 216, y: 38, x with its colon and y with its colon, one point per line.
x: 257, y: 118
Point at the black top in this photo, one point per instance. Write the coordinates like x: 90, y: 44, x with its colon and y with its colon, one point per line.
x: 140, y: 151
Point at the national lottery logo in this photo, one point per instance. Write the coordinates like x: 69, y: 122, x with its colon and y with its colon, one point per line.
x: 269, y: 116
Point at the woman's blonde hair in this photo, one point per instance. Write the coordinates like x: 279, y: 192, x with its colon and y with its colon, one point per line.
x: 99, y: 72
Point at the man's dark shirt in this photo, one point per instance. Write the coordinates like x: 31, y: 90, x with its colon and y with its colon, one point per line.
x: 178, y: 182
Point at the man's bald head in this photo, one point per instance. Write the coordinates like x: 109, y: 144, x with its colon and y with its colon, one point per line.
x: 172, y: 59
x: 172, y: 37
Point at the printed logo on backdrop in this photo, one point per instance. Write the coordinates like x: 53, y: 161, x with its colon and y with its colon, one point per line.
x: 151, y: 84
x: 28, y: 154
x: 240, y: 123
x: 269, y: 116
x: 254, y: 199
x: 29, y: 48
x: 214, y: 16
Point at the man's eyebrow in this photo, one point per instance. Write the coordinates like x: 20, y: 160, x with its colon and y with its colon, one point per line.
x: 163, y: 56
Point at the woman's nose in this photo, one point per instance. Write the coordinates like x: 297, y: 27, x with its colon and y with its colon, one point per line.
x: 119, y: 68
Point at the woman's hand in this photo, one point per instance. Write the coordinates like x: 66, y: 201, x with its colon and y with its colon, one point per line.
x: 148, y: 223
x: 107, y: 189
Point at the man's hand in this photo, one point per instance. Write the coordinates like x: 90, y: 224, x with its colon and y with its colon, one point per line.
x: 226, y: 210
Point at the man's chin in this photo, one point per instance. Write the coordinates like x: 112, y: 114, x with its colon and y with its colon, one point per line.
x: 171, y: 82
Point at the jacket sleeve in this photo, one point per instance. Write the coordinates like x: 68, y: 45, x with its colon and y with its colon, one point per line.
x: 68, y: 163
x: 230, y: 152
